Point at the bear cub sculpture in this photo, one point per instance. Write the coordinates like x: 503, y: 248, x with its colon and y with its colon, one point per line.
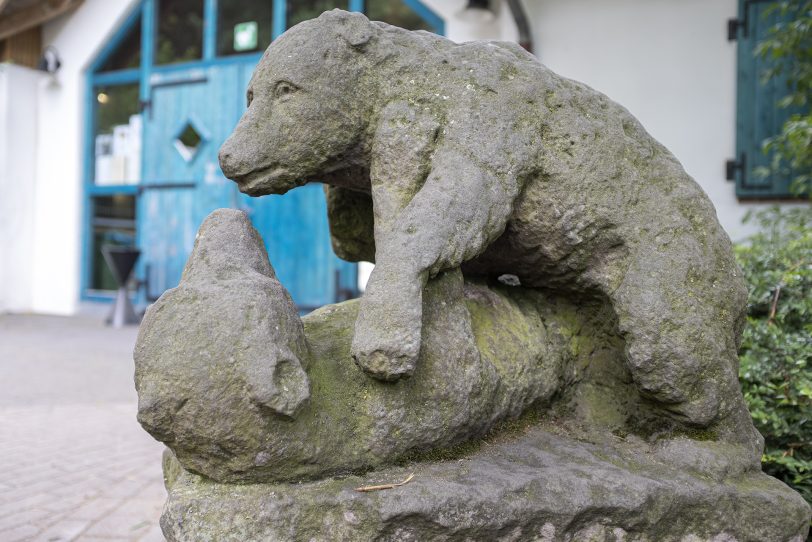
x: 439, y: 155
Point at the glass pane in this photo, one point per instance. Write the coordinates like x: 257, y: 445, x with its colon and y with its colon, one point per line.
x: 117, y: 135
x: 302, y: 10
x: 180, y: 31
x: 112, y: 223
x: 128, y: 53
x: 396, y: 13
x: 188, y: 142
x: 235, y: 32
x: 190, y: 137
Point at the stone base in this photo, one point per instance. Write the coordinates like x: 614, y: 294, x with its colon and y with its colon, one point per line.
x: 541, y: 485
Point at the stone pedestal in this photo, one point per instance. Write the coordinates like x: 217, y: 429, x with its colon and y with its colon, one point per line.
x: 540, y: 484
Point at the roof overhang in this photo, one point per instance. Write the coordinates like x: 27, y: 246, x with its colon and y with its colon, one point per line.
x: 20, y: 15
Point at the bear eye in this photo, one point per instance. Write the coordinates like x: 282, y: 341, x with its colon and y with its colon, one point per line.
x: 284, y: 88
x: 249, y: 97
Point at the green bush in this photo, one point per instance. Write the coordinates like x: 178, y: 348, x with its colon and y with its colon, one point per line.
x: 776, y: 352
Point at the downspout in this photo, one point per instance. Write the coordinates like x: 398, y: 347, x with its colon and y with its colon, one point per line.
x: 520, y: 17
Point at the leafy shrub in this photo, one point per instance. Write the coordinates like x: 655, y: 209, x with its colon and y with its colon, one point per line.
x: 776, y: 352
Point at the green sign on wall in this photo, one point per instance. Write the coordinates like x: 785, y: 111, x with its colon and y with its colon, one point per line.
x: 245, y: 36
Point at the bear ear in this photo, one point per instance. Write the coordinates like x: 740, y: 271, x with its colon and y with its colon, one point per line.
x: 354, y: 28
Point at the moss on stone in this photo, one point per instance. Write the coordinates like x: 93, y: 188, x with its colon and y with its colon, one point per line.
x: 502, y: 431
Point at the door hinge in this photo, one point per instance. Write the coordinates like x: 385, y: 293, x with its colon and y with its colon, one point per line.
x: 145, y: 106
x: 732, y: 166
x: 733, y: 26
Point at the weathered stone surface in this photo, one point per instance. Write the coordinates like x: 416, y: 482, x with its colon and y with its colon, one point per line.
x: 455, y: 165
x: 596, y: 460
x: 476, y: 155
x: 351, y: 224
x: 540, y: 486
x: 221, y: 361
x: 229, y: 320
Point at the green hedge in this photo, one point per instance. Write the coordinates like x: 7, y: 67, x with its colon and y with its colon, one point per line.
x: 776, y: 352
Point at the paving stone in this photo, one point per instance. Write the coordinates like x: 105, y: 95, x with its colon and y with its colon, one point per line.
x: 31, y: 516
x: 120, y: 523
x: 13, y: 508
x: 63, y: 501
x: 18, y: 534
x: 96, y: 508
x: 64, y: 531
x: 72, y: 454
x: 153, y: 535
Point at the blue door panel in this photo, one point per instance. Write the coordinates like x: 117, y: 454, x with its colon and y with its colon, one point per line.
x: 182, y: 186
x: 758, y: 115
x: 297, y: 236
x: 167, y: 237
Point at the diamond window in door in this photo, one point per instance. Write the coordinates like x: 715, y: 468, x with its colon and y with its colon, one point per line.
x: 189, y: 140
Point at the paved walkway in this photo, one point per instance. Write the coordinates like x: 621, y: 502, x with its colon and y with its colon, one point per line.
x: 74, y: 463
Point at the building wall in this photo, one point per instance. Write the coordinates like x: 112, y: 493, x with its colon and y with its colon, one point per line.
x: 77, y: 36
x: 459, y: 28
x: 18, y: 139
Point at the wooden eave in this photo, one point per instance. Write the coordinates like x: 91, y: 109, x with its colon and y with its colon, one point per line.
x: 20, y: 15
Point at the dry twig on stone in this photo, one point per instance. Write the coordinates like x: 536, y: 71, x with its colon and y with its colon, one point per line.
x: 385, y: 486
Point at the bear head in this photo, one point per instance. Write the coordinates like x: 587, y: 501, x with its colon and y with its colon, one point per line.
x: 308, y: 106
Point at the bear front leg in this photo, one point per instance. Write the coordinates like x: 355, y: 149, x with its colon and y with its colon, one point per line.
x: 456, y: 214
x: 404, y: 139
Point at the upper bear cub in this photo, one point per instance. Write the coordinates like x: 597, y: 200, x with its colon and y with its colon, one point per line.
x: 476, y: 155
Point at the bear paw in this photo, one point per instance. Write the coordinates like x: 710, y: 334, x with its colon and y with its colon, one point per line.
x: 387, y: 336
x: 383, y: 366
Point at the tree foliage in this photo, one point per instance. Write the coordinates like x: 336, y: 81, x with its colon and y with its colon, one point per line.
x: 776, y: 352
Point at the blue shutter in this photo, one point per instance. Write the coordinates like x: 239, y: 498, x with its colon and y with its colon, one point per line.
x: 758, y: 116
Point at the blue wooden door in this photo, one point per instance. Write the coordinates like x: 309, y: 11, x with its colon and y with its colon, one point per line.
x: 191, y: 113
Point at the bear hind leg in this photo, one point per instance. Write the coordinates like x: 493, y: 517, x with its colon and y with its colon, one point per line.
x: 675, y: 351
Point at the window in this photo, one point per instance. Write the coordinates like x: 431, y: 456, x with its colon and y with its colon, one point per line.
x: 117, y: 135
x: 180, y: 31
x: 243, y: 26
x: 128, y: 54
x: 112, y: 223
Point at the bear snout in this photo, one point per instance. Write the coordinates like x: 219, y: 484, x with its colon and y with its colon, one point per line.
x: 228, y: 162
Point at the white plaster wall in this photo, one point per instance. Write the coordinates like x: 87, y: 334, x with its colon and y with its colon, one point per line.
x: 78, y: 37
x: 459, y: 28
x: 18, y: 138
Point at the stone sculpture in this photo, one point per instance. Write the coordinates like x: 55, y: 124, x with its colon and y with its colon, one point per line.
x: 548, y: 341
x: 244, y: 335
x: 477, y: 155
